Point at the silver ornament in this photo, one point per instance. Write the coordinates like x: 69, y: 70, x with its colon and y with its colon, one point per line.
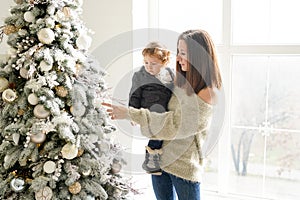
x: 17, y: 184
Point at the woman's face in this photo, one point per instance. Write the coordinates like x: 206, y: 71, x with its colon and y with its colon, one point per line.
x: 182, y: 55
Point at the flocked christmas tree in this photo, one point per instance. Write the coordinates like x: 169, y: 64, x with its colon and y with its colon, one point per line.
x: 55, y: 141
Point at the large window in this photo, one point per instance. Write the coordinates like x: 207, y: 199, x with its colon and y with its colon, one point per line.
x: 258, y: 45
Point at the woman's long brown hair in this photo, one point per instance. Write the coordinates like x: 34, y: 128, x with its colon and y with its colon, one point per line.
x: 203, y: 70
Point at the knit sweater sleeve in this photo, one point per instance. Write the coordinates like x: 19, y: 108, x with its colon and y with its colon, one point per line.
x: 187, y: 116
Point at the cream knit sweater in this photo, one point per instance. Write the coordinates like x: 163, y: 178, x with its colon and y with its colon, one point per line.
x: 182, y: 128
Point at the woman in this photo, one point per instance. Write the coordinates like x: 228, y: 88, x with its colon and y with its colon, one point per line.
x: 185, y: 124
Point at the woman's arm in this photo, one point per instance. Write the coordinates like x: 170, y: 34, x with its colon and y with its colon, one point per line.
x: 176, y: 124
x: 187, y: 116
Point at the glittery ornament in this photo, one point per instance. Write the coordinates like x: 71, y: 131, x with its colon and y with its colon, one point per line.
x: 61, y: 91
x: 75, y: 188
x: 44, y: 194
x: 17, y: 184
x: 9, y: 95
x: 8, y: 29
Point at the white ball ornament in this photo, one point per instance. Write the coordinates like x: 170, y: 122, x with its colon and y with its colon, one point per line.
x: 29, y: 17
x: 40, y: 112
x: 46, y: 36
x: 45, y: 67
x: 38, y: 138
x: 3, y: 84
x: 69, y: 151
x: 9, y: 95
x: 24, y: 73
x: 33, y: 99
x: 49, y: 167
x: 84, y: 42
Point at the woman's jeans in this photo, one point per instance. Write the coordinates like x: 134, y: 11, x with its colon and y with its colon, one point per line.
x: 166, y: 186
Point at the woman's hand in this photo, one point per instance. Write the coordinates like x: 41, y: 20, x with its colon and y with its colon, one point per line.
x: 117, y: 112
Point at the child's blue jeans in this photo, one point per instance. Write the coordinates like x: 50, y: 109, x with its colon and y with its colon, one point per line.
x: 166, y: 186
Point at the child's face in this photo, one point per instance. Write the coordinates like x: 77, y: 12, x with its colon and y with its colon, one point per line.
x: 152, y: 64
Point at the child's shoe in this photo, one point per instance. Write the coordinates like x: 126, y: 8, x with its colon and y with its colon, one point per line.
x: 152, y: 160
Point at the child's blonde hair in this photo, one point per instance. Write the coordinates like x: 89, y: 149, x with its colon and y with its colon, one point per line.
x: 157, y: 50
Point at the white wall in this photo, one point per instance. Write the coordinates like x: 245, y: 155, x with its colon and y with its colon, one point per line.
x: 103, y: 17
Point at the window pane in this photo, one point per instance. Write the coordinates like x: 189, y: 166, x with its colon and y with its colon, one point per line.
x: 247, y: 150
x: 192, y: 14
x: 284, y: 107
x: 283, y: 166
x: 265, y: 21
x: 249, y: 75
